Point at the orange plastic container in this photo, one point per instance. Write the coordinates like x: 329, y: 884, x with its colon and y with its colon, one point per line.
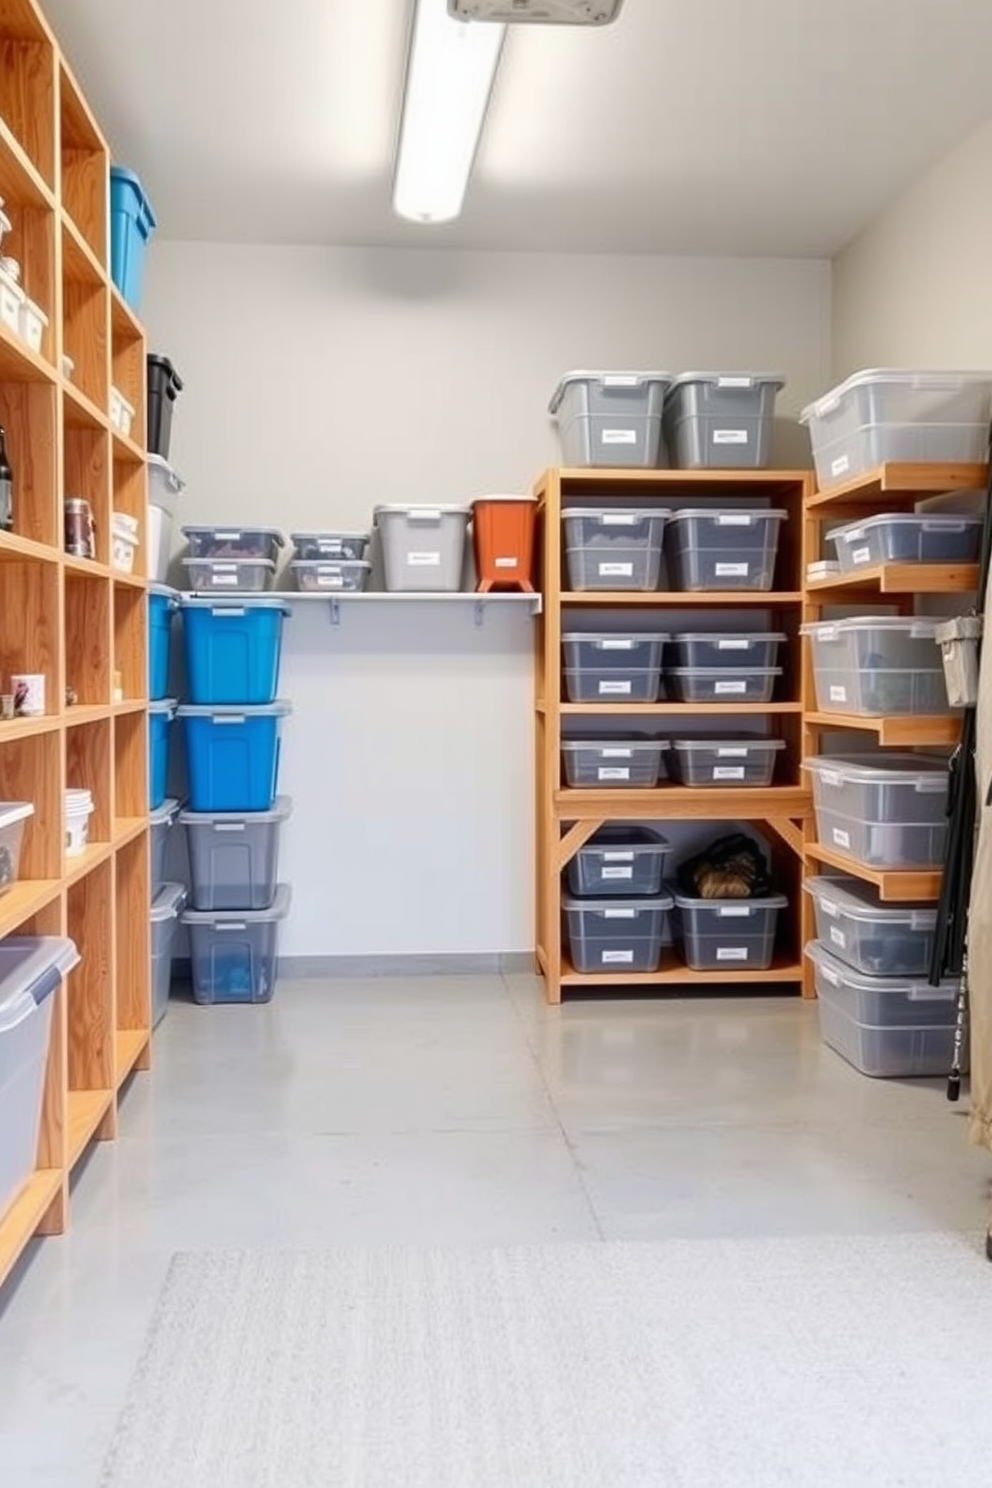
x: 504, y: 542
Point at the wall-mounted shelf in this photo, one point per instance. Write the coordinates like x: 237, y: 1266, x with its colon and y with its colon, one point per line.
x: 337, y: 603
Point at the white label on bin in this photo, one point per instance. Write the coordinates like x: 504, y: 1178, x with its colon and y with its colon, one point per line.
x: 616, y: 570
x: 837, y: 694
x: 613, y: 772
x: 861, y: 555
x: 733, y: 912
x: 725, y: 753
x: 731, y: 643
x: 841, y: 838
x: 830, y: 908
x: 730, y: 436
x: 227, y: 537
x: 423, y: 560
x: 621, y: 379
x: 728, y: 772
x: 841, y: 465
x: 727, y: 689
x: 615, y: 689
x: 732, y: 570
x: 329, y: 580
x: 731, y: 953
x: 624, y: 643
x: 616, y: 873
x: 619, y: 914
x: 219, y: 580
x: 734, y: 382
x: 838, y: 937
x: 618, y: 857
x: 617, y: 753
x: 506, y: 562
x: 733, y: 519
x: 618, y: 519
x: 617, y: 958
x: 618, y: 436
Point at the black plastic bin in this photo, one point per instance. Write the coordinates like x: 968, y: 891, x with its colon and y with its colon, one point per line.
x: 164, y: 387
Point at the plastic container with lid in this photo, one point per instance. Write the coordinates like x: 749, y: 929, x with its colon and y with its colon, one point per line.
x: 886, y: 810
x: 32, y: 324
x: 503, y: 529
x: 330, y: 547
x: 873, y: 665
x: 167, y: 905
x: 13, y: 815
x: 323, y: 575
x: 233, y: 650
x: 601, y: 666
x: 423, y: 547
x: 234, y: 542
x: 752, y: 649
x: 721, y: 420
x: 721, y: 549
x: 616, y: 935
x: 727, y: 934
x: 232, y: 755
x: 907, y: 537
x: 160, y: 716
x: 875, y: 938
x: 725, y: 762
x: 161, y: 822
x: 902, y: 416
x: 229, y: 576
x: 234, y: 952
x: 162, y: 604
x: 11, y: 301
x: 611, y: 419
x: 723, y: 684
x: 620, y: 860
x: 132, y: 223
x: 592, y: 763
x: 165, y: 486
x: 234, y: 856
x: 164, y: 387
x: 614, y: 548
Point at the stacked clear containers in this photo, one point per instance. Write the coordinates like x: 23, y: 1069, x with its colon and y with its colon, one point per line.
x: 616, y: 912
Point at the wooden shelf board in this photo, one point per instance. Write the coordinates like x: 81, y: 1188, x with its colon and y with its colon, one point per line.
x: 79, y: 411
x: 124, y: 323
x: 129, y: 705
x: 127, y: 828
x: 720, y: 482
x: 24, y: 899
x: 21, y: 184
x: 79, y: 263
x: 129, y: 1046
x: 675, y: 974
x: 92, y: 855
x: 677, y: 710
x: 86, y: 1110
x: 13, y: 730
x: 84, y: 713
x: 22, y: 1219
x: 79, y: 125
x: 902, y: 481
x: 14, y: 549
x: 899, y: 578
x: 894, y: 729
x: 704, y: 803
x: 129, y: 580
x: 18, y: 363
x: 898, y: 885
x: 673, y: 600
x: 126, y: 451
x: 86, y: 568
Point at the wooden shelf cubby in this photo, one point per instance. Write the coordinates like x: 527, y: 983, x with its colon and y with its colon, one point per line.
x: 73, y: 619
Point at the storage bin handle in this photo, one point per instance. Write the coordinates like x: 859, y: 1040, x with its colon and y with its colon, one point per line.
x: 426, y: 515
x: 225, y: 925
x: 220, y: 613
x: 230, y: 826
x: 943, y: 525
x: 930, y: 787
x: 932, y: 994
x: 222, y: 718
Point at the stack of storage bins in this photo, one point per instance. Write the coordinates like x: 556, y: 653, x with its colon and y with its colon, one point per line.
x: 232, y: 726
x: 617, y: 910
x: 167, y: 899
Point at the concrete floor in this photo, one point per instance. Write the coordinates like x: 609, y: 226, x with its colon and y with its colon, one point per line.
x: 446, y: 1112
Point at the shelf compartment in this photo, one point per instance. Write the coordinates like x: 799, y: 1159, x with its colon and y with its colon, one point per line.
x: 674, y: 973
x: 79, y: 411
x: 88, y: 767
x: 27, y: 85
x: 25, y: 899
x: 131, y: 765
x: 127, y: 828
x: 131, y: 642
x: 130, y: 496
x: 87, y: 476
x: 132, y: 1051
x: 897, y: 885
x: 85, y: 167
x: 24, y: 1217
x: 133, y: 895
x: 87, y: 1112
x: 79, y: 263
x: 20, y: 179
x: 87, y: 638
x: 91, y: 857
x: 90, y: 987
x: 28, y: 417
x: 898, y: 730
x: 898, y: 483
x: 85, y: 328
x: 18, y: 363
x: 128, y: 371
x: 706, y: 803
x: 31, y: 241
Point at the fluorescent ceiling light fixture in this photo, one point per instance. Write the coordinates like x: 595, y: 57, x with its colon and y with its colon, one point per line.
x: 449, y: 79
x: 539, y: 12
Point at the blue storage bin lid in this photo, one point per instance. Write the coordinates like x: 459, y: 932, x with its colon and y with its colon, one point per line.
x: 234, y: 710
x: 278, y: 910
x: 232, y: 604
x: 121, y: 176
x: 164, y: 705
x: 281, y: 810
x: 31, y: 967
x: 163, y: 591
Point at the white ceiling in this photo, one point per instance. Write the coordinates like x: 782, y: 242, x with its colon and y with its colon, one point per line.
x: 690, y: 126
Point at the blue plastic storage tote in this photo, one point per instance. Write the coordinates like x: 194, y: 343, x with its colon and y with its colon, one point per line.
x: 161, y: 606
x: 160, y: 716
x: 132, y: 223
x: 232, y: 649
x: 234, y: 951
x: 232, y: 756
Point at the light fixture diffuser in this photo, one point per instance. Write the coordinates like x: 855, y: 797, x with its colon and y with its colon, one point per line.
x: 539, y: 12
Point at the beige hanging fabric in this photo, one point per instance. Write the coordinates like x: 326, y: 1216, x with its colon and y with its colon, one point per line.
x: 980, y: 911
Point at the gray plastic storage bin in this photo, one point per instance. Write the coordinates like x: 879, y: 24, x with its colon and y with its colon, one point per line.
x: 330, y: 547
x: 907, y: 417
x: 721, y: 420
x: 234, y: 856
x: 616, y: 935
x: 752, y: 649
x: 161, y: 823
x: 907, y: 537
x: 167, y: 906
x: 877, y: 664
x: 723, y: 685
x: 235, y: 951
x: 721, y: 934
x: 887, y: 1027
x: 591, y: 763
x: 722, y: 549
x: 235, y: 576
x: 319, y: 576
x: 423, y: 547
x: 876, y: 939
x: 600, y: 666
x: 620, y: 860
x: 886, y: 810
x: 234, y: 542
x: 611, y: 419
x: 725, y: 761
x: 610, y: 548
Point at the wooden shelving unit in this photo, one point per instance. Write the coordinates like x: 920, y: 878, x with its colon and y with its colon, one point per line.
x: 78, y: 622
x: 568, y: 818
x: 895, y: 587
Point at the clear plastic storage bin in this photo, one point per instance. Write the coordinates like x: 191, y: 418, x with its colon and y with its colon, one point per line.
x: 234, y: 856
x: 330, y: 547
x: 912, y: 418
x: 165, y: 487
x: 614, y: 548
x: 235, y: 952
x: 723, y: 685
x: 233, y: 650
x: 906, y: 537
x: 620, y: 860
x: 611, y: 419
x: 234, y: 542
x: 423, y: 547
x: 617, y: 935
x: 721, y: 419
x: 874, y: 938
x: 13, y: 815
x: 877, y: 664
x: 721, y: 934
x: 238, y: 576
x: 726, y: 761
x: 166, y: 908
x: 319, y: 576
x: 161, y: 823
x: 600, y: 666
x: 752, y: 649
x: 721, y: 550
x: 885, y: 810
x: 590, y: 763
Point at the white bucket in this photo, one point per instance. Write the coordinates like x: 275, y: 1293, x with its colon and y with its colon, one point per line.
x: 78, y: 810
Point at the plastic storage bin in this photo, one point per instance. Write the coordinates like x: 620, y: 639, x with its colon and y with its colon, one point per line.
x: 234, y: 952
x: 503, y: 528
x: 11, y: 303
x: 318, y: 576
x: 164, y: 387
x: 423, y: 547
x: 602, y: 666
x: 132, y: 223
x: 330, y: 547
x: 619, y: 762
x: 233, y: 650
x: 914, y: 418
x: 166, y: 908
x: 162, y: 603
x: 874, y: 938
x: 896, y: 1028
x: 886, y: 810
x: 31, y: 968
x: 614, y: 548
x: 751, y: 649
x: 13, y: 815
x: 240, y: 576
x: 234, y: 857
x: 234, y: 542
x: 723, y: 684
x: 907, y: 538
x: 716, y: 550
x: 611, y: 419
x: 717, y: 934
x: 165, y: 487
x: 725, y: 761
x: 161, y: 823
x: 160, y: 716
x: 722, y: 420
x: 617, y: 935
x: 877, y: 664
x: 32, y: 324
x: 233, y: 756
x: 620, y: 860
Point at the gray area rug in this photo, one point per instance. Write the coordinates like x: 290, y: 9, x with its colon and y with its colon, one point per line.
x: 820, y: 1362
